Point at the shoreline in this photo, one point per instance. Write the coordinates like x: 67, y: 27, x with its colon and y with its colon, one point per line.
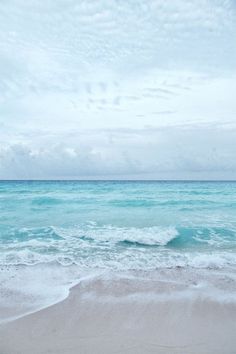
x: 35, y: 288
x: 115, y: 314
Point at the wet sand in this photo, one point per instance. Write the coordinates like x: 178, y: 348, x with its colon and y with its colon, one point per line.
x: 125, y: 316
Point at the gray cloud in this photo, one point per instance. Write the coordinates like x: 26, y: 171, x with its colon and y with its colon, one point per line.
x: 185, y: 152
x: 117, y: 88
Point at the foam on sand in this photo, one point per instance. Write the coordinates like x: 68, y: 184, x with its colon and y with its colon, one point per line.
x: 127, y: 315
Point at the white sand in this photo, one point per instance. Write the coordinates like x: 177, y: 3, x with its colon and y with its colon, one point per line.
x: 125, y: 316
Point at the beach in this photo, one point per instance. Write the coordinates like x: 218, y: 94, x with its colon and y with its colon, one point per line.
x: 117, y: 267
x: 130, y: 314
x: 117, y: 177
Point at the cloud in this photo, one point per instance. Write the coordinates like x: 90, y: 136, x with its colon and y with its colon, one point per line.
x: 58, y: 43
x: 111, y: 88
x: 186, y: 152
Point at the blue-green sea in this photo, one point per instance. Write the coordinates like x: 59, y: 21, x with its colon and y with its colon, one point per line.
x: 118, y: 225
x: 54, y: 234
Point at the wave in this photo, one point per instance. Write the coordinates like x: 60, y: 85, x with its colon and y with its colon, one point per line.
x: 46, y: 201
x: 93, y: 245
x: 188, y: 203
x: 149, y: 236
x: 134, y: 203
x: 127, y: 260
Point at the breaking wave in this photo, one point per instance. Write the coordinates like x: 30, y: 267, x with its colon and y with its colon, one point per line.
x: 107, y: 246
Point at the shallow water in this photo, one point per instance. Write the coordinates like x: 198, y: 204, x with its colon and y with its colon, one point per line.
x: 123, y: 225
x: 52, y: 233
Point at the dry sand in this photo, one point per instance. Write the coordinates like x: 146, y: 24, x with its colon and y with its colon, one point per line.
x: 123, y: 316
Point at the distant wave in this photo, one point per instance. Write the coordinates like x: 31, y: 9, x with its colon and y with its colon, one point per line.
x: 46, y: 201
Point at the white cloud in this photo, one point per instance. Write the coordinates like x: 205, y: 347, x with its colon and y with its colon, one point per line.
x: 185, y: 152
x: 76, y: 75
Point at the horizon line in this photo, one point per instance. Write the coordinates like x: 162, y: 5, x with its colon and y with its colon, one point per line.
x: 117, y: 180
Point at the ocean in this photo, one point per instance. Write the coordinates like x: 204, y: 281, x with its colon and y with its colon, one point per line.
x: 57, y: 232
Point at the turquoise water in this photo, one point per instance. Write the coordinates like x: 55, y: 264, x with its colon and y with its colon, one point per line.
x: 118, y: 225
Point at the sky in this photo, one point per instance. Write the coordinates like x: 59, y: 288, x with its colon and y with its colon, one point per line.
x: 117, y: 89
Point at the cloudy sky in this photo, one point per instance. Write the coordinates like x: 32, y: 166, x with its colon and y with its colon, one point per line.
x: 116, y: 89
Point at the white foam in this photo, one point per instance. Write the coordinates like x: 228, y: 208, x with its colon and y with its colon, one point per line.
x: 110, y: 247
x: 26, y: 289
x: 146, y: 236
